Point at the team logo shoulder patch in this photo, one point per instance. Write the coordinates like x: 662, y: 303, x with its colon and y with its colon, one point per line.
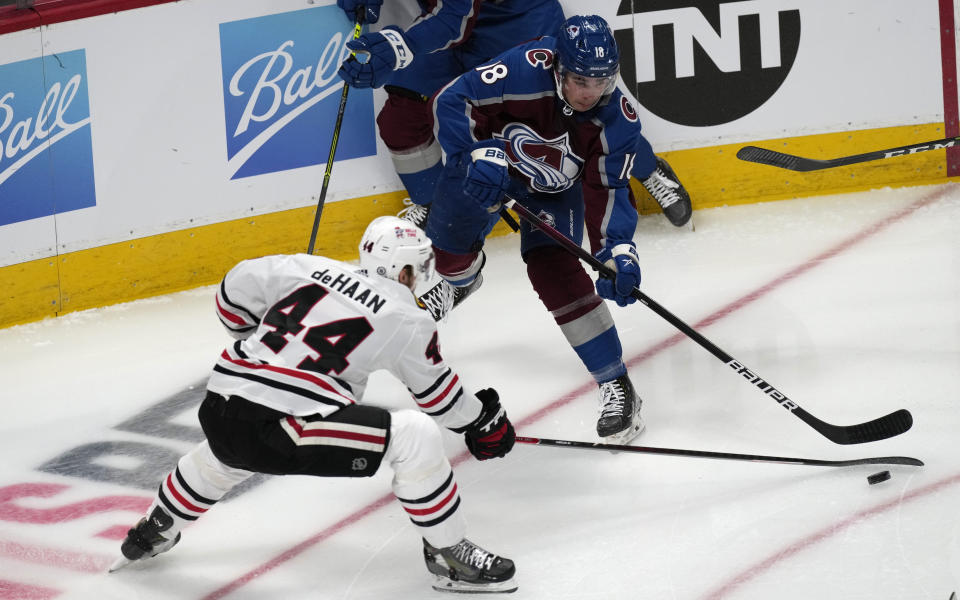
x: 540, y: 57
x: 627, y: 109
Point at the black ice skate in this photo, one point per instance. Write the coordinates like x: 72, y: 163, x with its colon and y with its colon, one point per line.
x: 620, y: 420
x: 468, y: 568
x: 669, y: 193
x: 144, y: 540
x: 415, y: 213
x: 442, y: 298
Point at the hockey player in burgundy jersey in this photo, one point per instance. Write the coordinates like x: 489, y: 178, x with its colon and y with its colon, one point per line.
x: 285, y: 398
x: 448, y: 38
x: 545, y: 123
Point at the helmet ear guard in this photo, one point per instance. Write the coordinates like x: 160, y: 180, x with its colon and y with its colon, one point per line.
x: 390, y: 243
x: 586, y: 48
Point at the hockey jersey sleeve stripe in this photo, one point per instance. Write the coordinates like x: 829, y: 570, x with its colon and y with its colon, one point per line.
x: 226, y: 315
x: 433, y: 386
x: 421, y: 512
x: 293, y: 389
x: 302, y: 375
x: 446, y: 408
x: 454, y: 383
x: 448, y: 24
x: 248, y: 315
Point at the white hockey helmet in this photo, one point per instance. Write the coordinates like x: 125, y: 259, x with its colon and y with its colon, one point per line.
x: 391, y: 243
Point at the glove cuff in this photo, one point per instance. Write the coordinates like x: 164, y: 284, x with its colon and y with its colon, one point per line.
x: 398, y: 43
x: 608, y: 254
x: 625, y: 249
x: 491, y: 154
x: 490, y: 411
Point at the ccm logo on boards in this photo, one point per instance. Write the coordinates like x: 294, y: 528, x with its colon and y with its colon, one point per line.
x: 706, y: 62
x: 281, y: 92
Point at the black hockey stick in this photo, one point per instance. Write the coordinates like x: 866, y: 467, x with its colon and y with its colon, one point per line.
x: 798, y: 163
x: 884, y: 427
x: 333, y: 144
x: 815, y: 462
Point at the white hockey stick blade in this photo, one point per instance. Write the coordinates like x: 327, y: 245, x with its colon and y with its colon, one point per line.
x: 443, y: 584
x: 119, y: 564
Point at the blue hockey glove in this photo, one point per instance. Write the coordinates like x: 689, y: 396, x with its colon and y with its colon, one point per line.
x: 377, y: 56
x: 487, y: 176
x: 623, y: 258
x: 371, y: 9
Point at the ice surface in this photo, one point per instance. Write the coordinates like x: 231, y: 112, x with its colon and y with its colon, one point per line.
x: 848, y: 304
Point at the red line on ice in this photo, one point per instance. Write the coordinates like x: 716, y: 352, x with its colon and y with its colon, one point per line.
x: 816, y: 537
x: 587, y: 387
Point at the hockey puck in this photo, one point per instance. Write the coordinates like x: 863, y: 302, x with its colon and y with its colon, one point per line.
x: 878, y: 477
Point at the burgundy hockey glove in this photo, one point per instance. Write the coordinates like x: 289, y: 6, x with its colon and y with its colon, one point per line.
x: 492, y: 434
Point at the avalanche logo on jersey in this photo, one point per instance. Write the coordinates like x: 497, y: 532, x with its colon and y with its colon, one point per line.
x: 281, y: 92
x: 550, y: 165
x: 46, y: 149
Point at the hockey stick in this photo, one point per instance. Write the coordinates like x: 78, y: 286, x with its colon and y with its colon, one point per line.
x: 333, y: 144
x: 884, y: 427
x: 797, y: 163
x: 878, y: 460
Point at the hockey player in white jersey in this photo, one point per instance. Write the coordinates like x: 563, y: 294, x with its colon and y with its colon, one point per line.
x: 285, y: 398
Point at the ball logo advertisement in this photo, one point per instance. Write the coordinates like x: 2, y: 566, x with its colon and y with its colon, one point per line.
x: 46, y: 151
x: 281, y: 92
x: 702, y: 63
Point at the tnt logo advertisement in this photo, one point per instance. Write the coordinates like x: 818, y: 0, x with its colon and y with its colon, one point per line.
x: 46, y: 152
x: 707, y: 62
x: 281, y: 92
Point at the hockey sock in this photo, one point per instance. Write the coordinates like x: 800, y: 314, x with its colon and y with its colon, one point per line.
x: 420, y: 184
x: 585, y: 320
x: 198, y: 482
x: 602, y: 356
x: 423, y: 479
x: 459, y: 269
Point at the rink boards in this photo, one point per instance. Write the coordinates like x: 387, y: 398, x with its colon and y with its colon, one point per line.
x: 127, y: 174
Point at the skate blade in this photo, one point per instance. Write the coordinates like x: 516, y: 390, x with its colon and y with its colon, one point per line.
x: 119, y: 564
x: 443, y: 584
x: 629, y: 434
